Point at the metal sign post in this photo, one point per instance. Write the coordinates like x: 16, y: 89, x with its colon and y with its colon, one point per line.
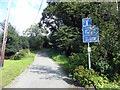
x: 89, y: 50
x: 90, y: 34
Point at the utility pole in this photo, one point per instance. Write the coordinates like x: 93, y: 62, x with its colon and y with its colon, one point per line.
x: 5, y: 35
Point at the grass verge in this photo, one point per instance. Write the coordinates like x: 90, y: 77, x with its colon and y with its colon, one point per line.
x: 58, y: 58
x: 13, y: 68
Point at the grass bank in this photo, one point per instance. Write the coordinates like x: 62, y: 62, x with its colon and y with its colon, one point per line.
x: 58, y: 58
x: 13, y: 68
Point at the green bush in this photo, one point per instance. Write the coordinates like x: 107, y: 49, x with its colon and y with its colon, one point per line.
x: 86, y: 79
x: 36, y: 42
x: 76, y: 65
x: 77, y: 59
x: 17, y: 56
x: 110, y: 86
x: 21, y: 54
x: 82, y: 76
x: 61, y: 59
x: 52, y: 53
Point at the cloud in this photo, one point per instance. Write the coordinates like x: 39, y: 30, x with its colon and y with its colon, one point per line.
x: 24, y: 14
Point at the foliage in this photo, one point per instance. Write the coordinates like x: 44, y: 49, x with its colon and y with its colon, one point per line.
x: 80, y: 73
x: 52, y: 53
x: 85, y: 79
x: 36, y: 43
x: 0, y: 42
x: 61, y: 59
x: 77, y: 59
x: 36, y: 40
x: 1, y: 32
x: 23, y: 42
x: 67, y: 32
x: 67, y: 40
x: 34, y: 30
x: 111, y: 86
x: 12, y: 45
x: 21, y: 54
x: 14, y: 41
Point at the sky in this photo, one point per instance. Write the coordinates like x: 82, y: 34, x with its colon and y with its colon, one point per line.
x: 22, y: 13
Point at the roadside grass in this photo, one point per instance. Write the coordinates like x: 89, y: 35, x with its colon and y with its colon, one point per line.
x: 13, y: 68
x: 61, y: 59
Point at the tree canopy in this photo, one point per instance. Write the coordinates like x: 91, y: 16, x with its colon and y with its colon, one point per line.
x: 14, y: 41
x: 65, y: 18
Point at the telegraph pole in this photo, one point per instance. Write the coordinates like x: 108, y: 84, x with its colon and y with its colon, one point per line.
x: 5, y: 35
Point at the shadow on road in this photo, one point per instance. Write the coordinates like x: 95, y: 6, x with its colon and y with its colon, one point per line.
x: 49, y: 72
x: 42, y: 53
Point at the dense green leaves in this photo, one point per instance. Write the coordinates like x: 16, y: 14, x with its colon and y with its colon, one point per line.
x: 36, y: 40
x: 67, y: 39
x: 14, y: 41
x: 67, y: 35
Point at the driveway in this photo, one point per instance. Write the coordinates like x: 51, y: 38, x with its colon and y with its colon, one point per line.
x: 43, y: 73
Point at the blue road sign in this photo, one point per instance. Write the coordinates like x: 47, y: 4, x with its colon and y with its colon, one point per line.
x: 90, y: 33
x: 86, y: 21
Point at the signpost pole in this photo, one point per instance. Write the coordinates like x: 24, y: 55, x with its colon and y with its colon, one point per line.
x: 117, y: 4
x: 89, y: 50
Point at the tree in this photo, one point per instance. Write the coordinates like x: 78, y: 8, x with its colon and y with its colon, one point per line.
x: 23, y: 42
x: 32, y: 31
x: 68, y: 16
x: 12, y: 45
x: 14, y: 41
x: 34, y: 37
x: 67, y: 39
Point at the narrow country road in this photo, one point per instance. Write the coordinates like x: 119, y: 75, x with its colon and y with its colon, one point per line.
x: 43, y: 73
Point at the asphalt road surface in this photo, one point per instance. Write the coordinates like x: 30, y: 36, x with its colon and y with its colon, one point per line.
x: 43, y: 73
